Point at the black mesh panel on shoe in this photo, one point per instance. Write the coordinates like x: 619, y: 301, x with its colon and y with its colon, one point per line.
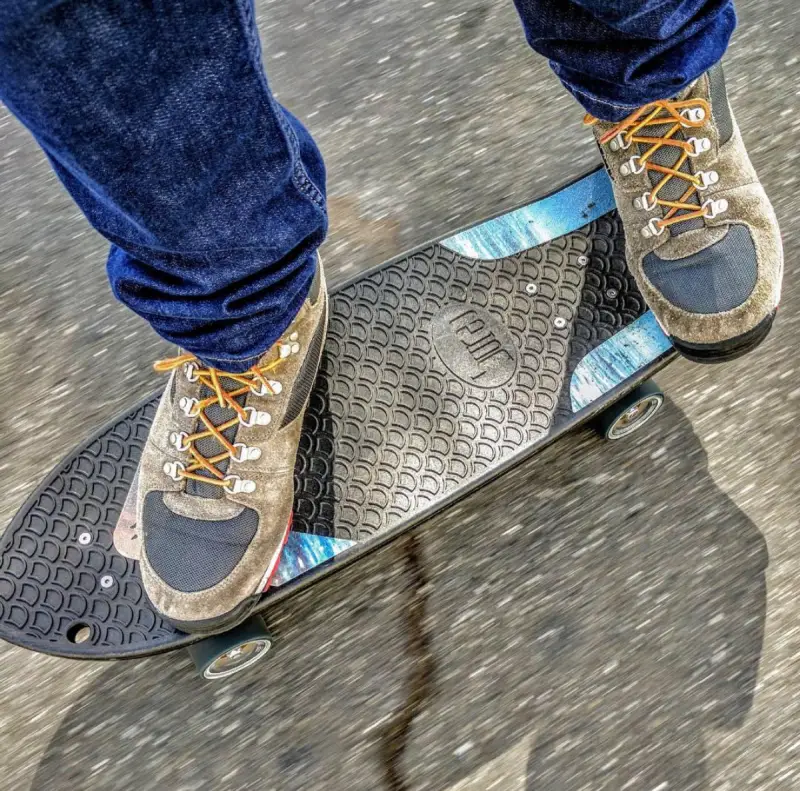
x: 301, y: 388
x: 720, y: 108
x: 716, y: 279
x: 192, y: 555
x: 313, y: 293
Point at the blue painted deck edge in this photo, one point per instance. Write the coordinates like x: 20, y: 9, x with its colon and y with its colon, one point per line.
x: 619, y: 358
x: 539, y: 222
x: 304, y: 551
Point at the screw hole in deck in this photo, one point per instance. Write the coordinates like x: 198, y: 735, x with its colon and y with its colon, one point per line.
x: 79, y: 633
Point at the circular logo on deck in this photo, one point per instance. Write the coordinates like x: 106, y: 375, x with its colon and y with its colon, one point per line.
x: 474, y: 346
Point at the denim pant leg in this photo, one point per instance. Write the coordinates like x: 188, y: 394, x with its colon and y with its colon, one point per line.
x: 616, y: 55
x: 157, y: 117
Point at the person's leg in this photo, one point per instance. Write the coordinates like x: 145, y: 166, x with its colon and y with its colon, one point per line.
x: 158, y: 119
x: 617, y: 55
x: 702, y: 239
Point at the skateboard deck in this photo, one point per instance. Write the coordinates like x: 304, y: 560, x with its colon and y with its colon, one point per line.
x: 442, y: 368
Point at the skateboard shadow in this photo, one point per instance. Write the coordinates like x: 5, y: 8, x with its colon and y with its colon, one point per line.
x: 588, y: 621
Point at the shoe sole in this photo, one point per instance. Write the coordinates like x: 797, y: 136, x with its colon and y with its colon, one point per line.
x: 711, y: 353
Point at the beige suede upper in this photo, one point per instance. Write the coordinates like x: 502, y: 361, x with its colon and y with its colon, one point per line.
x: 272, y: 473
x: 747, y: 205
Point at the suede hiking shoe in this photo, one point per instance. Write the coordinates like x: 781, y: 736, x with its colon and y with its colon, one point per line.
x: 702, y: 239
x: 216, y: 481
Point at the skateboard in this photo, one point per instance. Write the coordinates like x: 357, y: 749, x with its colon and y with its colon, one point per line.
x: 442, y: 369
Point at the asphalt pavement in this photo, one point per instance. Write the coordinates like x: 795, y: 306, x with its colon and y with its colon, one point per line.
x: 612, y: 617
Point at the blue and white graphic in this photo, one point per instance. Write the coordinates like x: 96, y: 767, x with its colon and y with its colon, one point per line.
x: 304, y: 551
x: 540, y: 222
x: 617, y: 359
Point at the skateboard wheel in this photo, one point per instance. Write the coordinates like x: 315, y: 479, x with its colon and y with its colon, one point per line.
x: 225, y: 654
x: 631, y: 412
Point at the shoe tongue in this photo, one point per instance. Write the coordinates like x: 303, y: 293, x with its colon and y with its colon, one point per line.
x: 210, y: 446
x: 668, y: 156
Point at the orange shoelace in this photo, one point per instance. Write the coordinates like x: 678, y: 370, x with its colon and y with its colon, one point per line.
x: 252, y: 381
x: 690, y: 114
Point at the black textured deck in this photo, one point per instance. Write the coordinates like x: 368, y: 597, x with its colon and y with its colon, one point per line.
x: 406, y: 414
x: 437, y: 368
x: 610, y: 299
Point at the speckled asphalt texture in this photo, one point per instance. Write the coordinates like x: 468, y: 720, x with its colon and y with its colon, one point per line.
x: 608, y: 616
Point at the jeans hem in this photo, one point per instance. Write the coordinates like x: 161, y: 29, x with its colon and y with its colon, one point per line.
x: 601, y: 109
x: 613, y: 112
x: 224, y: 365
x: 239, y: 365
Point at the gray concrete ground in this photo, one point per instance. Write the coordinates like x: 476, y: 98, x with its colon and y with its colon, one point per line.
x: 605, y: 617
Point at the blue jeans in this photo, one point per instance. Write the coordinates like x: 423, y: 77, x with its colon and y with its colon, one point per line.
x: 157, y: 117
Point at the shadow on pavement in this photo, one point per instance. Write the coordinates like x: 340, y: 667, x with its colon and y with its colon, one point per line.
x: 604, y: 602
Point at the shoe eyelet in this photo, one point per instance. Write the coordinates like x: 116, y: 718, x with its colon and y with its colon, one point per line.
x: 256, y: 418
x: 246, y: 453
x: 700, y: 145
x: 188, y: 406
x: 632, y: 167
x: 269, y: 388
x: 713, y: 208
x: 236, y: 485
x: 178, y: 439
x: 653, y: 228
x: 172, y: 468
x: 287, y: 349
x: 645, y: 202
x: 619, y: 143
x: 189, y: 369
x: 694, y: 115
x: 708, y: 178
